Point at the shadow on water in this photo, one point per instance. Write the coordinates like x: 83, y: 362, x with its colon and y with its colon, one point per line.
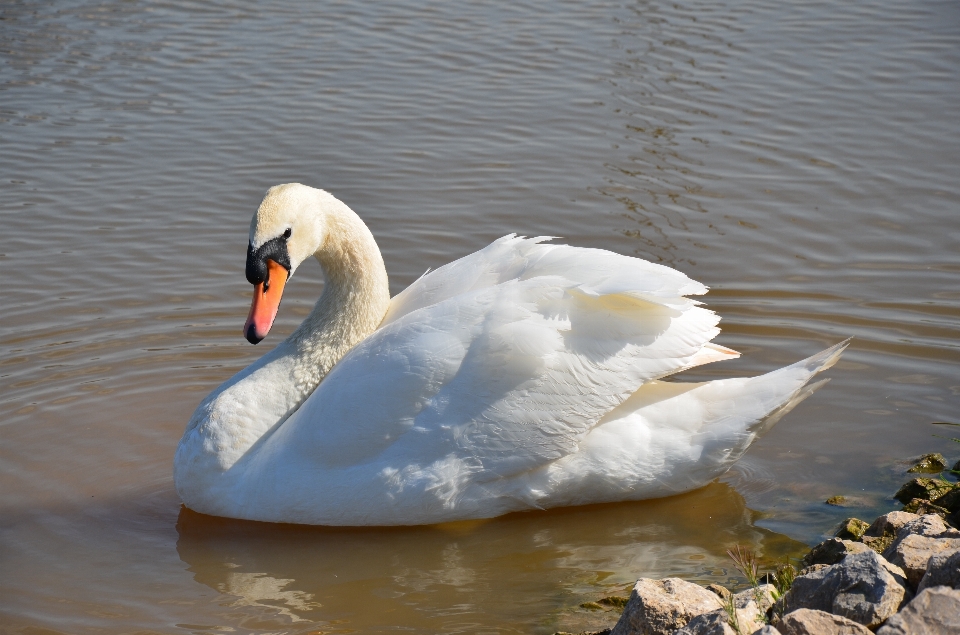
x: 533, y: 568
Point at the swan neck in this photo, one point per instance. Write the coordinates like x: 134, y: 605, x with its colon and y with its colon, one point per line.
x: 354, y: 300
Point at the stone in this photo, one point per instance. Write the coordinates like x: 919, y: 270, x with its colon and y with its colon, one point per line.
x: 722, y: 592
x: 851, y: 529
x: 950, y: 500
x: 924, y: 507
x: 889, y: 524
x: 883, y: 531
x: 767, y: 630
x: 714, y: 623
x: 813, y: 622
x: 926, y: 525
x: 614, y: 601
x: 659, y: 607
x: 832, y: 551
x: 926, y: 488
x: 935, y: 611
x: 913, y: 552
x: 863, y: 587
x: 929, y: 464
x: 751, y: 608
x: 838, y: 501
x: 812, y: 568
x: 943, y: 569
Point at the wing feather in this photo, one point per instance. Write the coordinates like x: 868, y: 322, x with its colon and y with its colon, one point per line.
x: 505, y: 359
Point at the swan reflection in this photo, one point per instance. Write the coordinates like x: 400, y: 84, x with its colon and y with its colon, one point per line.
x: 529, y: 568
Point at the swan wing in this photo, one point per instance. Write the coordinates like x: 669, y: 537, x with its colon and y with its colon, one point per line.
x: 595, y: 271
x: 508, y: 374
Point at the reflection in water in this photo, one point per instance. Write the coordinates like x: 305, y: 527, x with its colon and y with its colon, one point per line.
x: 445, y: 577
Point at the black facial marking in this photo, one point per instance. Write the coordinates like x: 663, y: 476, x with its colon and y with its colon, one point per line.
x: 274, y: 249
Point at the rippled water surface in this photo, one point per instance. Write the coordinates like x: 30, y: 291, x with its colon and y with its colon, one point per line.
x: 804, y: 162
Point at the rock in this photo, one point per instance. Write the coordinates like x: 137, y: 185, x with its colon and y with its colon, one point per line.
x: 751, y: 609
x: 832, y: 551
x: 811, y: 569
x: 943, y: 569
x: 889, y: 524
x: 659, y: 607
x: 930, y: 464
x: 883, y: 531
x: 722, y: 592
x: 851, y: 529
x: 935, y: 611
x: 839, y: 501
x: 912, y: 552
x: 614, y: 601
x: 714, y: 623
x: 813, y: 622
x: 863, y: 587
x: 956, y: 467
x: 924, y: 507
x: 762, y: 597
x: 926, y: 525
x: 926, y: 488
x: 766, y: 630
x: 950, y: 500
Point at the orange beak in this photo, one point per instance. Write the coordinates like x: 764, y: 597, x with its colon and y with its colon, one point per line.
x: 266, y: 302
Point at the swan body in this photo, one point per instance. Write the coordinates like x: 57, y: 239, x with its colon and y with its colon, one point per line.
x: 526, y: 375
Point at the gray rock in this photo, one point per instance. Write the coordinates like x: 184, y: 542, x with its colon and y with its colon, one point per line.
x: 929, y: 525
x: 811, y: 569
x: 943, y: 569
x: 766, y: 630
x: 935, y: 611
x: 713, y: 623
x: 863, y: 587
x: 913, y: 551
x: 812, y: 622
x: 889, y: 524
x: 759, y: 599
x: 884, y: 529
x: 659, y: 607
x: 832, y: 551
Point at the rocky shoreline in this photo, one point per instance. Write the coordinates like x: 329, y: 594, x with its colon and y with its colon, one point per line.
x: 899, y: 575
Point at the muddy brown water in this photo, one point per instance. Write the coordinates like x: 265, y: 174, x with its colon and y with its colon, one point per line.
x: 802, y: 161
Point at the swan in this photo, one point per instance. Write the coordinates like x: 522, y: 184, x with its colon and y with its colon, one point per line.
x: 527, y: 375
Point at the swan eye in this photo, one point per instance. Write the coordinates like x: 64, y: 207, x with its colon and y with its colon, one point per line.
x: 287, y: 233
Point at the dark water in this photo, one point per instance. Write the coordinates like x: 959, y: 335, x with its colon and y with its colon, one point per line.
x: 804, y: 162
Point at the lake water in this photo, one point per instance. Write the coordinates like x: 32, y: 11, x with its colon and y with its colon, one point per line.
x: 802, y: 161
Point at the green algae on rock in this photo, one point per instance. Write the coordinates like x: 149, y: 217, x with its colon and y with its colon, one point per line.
x: 933, y: 463
x: 851, y: 529
x: 922, y: 488
x: 838, y: 501
x: 922, y: 507
x: 950, y: 500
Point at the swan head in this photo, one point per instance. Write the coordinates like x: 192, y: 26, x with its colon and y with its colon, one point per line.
x: 287, y: 229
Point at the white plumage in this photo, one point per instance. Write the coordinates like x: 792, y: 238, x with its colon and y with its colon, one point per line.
x: 525, y: 375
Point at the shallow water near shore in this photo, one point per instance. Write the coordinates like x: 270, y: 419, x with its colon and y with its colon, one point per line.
x: 802, y: 162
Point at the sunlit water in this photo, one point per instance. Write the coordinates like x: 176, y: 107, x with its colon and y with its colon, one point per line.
x: 804, y: 162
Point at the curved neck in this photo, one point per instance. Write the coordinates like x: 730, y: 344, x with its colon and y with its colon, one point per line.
x: 354, y: 300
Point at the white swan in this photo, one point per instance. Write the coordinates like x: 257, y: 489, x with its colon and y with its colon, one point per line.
x: 525, y: 375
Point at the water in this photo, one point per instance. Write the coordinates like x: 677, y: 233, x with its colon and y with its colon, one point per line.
x: 801, y: 161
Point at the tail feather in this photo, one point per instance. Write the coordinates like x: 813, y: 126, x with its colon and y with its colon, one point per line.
x: 751, y: 406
